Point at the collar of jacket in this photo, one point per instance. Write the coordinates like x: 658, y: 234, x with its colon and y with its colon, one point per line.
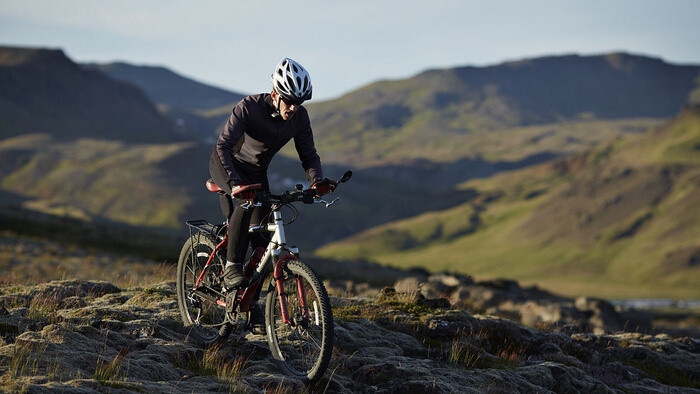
x: 271, y: 107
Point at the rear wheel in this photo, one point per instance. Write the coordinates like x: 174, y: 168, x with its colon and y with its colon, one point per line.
x: 301, y: 348
x: 200, y: 307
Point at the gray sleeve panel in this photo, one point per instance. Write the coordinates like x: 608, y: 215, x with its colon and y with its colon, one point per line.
x: 304, y: 143
x: 231, y: 140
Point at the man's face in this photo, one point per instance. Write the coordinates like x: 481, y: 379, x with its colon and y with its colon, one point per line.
x: 286, y: 109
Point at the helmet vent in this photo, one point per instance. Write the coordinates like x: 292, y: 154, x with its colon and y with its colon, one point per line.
x: 292, y: 81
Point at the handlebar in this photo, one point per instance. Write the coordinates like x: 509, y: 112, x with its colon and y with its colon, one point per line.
x: 307, y: 196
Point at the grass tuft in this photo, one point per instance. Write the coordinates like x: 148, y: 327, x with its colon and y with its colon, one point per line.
x: 43, y: 307
x: 108, y: 371
x: 24, y: 360
x: 215, y: 361
x: 464, y: 355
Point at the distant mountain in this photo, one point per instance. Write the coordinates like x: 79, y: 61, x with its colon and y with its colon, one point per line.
x: 402, y: 169
x: 449, y: 114
x: 42, y: 91
x: 622, y: 217
x: 187, y: 102
x: 165, y: 87
x: 81, y: 172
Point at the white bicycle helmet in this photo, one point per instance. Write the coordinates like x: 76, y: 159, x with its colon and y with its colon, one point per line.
x: 291, y: 81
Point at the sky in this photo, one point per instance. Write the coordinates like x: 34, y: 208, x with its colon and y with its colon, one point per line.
x: 346, y: 44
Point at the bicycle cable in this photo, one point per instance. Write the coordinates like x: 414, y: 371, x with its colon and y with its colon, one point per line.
x: 295, y: 215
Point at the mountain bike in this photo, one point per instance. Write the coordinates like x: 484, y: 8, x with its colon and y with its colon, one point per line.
x: 298, y: 317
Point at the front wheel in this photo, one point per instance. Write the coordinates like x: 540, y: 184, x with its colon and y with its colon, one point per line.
x: 302, y: 347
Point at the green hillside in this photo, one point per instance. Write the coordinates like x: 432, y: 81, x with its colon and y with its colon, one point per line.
x: 560, y: 102
x: 162, y: 185
x: 620, y: 220
x: 109, y: 179
x: 42, y: 91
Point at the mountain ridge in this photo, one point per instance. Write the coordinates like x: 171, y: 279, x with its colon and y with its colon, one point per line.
x: 43, y: 91
x: 391, y: 121
x: 190, y: 104
x: 167, y: 87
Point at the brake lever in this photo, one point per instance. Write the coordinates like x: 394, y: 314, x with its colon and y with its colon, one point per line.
x: 328, y: 204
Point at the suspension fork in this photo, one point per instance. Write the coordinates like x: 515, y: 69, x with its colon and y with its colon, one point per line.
x: 279, y: 279
x: 302, y: 298
x: 218, y: 247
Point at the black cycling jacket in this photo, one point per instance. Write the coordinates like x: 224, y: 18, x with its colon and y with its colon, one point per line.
x: 255, y: 133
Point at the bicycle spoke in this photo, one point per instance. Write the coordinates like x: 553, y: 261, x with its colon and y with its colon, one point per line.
x: 304, y: 347
x: 318, y: 345
x: 198, y: 307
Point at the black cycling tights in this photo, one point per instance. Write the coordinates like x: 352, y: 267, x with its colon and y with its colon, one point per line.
x: 240, y: 219
x: 238, y: 234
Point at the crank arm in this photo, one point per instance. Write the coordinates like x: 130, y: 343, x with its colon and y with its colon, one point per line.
x: 204, y: 296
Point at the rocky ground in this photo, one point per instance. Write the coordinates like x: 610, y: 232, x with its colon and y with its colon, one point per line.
x: 84, y: 336
x: 395, y: 331
x: 529, y: 306
x: 31, y: 261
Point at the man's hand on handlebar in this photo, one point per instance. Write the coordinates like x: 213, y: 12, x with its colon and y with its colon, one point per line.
x: 307, y: 196
x: 245, y: 192
x: 324, y: 187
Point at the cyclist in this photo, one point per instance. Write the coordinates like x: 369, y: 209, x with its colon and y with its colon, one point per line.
x: 259, y: 126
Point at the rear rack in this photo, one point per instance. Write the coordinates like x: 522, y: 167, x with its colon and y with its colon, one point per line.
x: 202, y: 225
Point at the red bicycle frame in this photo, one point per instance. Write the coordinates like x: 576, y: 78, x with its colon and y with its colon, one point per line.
x: 218, y: 247
x: 247, y: 295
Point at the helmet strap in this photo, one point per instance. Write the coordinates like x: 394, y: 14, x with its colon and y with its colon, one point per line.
x: 277, y: 112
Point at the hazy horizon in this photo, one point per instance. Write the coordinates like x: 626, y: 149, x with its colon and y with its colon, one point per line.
x: 345, y: 45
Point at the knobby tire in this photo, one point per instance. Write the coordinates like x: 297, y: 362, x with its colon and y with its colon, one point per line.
x: 303, y: 349
x: 206, y: 319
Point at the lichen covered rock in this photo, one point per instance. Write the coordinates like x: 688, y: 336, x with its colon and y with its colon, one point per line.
x: 97, y: 338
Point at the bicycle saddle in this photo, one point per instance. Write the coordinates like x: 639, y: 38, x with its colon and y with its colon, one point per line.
x: 213, y: 187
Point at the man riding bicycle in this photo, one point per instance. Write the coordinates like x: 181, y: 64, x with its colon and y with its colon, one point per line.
x: 259, y: 126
